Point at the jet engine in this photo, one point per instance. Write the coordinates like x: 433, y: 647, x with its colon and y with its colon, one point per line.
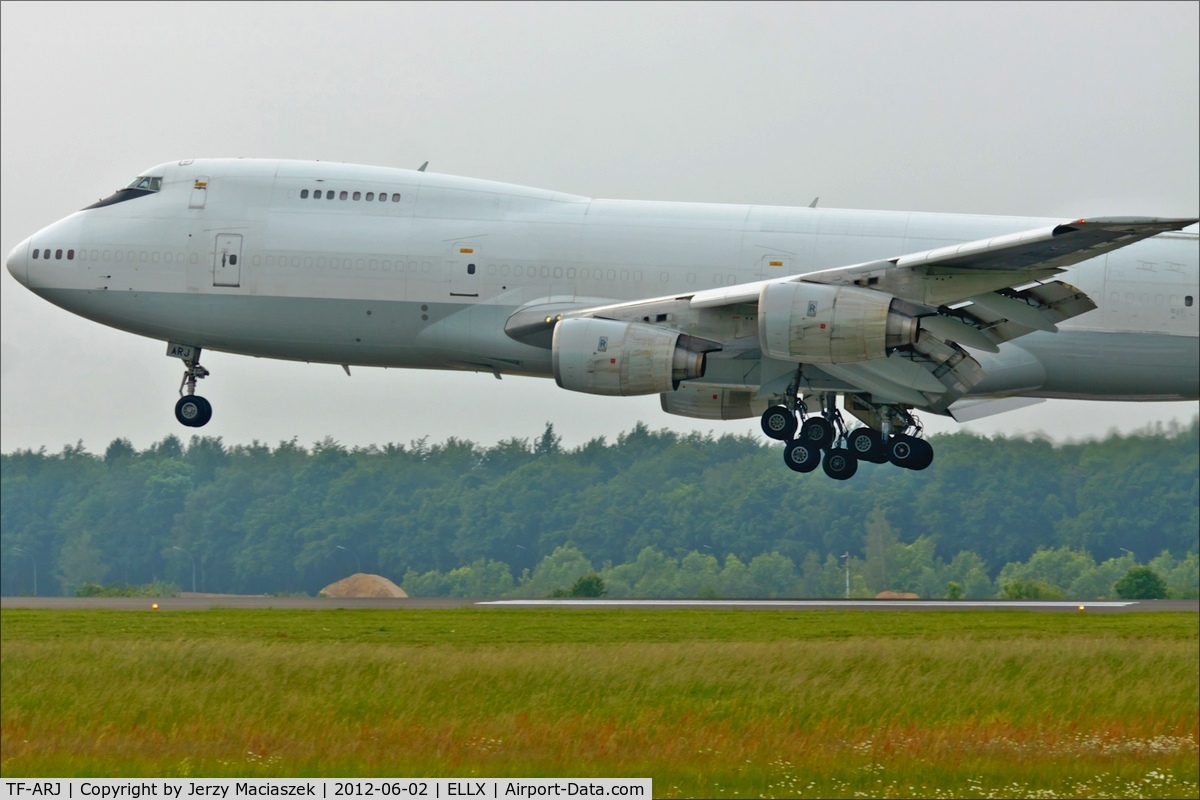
x: 814, y: 323
x: 604, y: 356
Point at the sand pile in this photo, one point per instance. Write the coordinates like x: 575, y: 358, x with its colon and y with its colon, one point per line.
x: 361, y: 584
x: 890, y: 595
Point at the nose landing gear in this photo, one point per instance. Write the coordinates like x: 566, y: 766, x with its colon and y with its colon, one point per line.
x: 192, y: 410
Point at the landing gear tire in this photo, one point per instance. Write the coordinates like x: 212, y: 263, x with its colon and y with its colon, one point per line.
x: 817, y: 431
x: 801, y: 456
x: 193, y: 411
x: 779, y: 423
x: 867, y: 445
x: 840, y: 464
x: 924, y: 455
x: 909, y: 452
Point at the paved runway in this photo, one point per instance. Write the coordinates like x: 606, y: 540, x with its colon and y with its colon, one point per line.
x: 186, y: 602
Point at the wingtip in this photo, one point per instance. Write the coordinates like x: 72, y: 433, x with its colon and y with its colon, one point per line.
x: 1140, y: 224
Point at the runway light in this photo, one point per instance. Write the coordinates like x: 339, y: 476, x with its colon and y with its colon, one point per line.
x: 1081, y: 608
x: 155, y: 606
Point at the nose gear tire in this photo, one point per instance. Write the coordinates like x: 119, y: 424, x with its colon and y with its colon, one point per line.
x: 193, y: 411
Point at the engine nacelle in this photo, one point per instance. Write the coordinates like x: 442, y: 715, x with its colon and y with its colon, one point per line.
x: 813, y: 323
x: 604, y: 356
x: 705, y: 402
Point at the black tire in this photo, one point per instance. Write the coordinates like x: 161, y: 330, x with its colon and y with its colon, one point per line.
x: 193, y: 411
x: 817, y: 431
x: 840, y: 464
x: 801, y: 456
x: 924, y: 455
x: 902, y: 450
x: 867, y: 445
x: 779, y: 423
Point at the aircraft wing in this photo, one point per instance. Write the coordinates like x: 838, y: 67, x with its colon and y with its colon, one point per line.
x: 977, y: 294
x: 950, y: 274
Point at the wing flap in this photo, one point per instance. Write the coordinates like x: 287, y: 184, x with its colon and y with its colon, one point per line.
x: 1001, y: 317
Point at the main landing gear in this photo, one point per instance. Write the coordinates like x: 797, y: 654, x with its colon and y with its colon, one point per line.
x: 824, y: 441
x: 192, y: 409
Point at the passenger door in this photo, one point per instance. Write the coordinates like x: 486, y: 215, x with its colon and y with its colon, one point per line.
x: 465, y: 270
x: 227, y: 260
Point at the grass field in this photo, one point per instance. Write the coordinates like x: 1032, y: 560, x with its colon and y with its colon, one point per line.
x: 729, y: 703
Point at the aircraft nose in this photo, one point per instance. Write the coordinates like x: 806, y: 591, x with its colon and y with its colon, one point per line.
x: 18, y: 263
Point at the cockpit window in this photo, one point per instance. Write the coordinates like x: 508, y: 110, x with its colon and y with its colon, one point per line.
x: 140, y: 186
x: 145, y: 182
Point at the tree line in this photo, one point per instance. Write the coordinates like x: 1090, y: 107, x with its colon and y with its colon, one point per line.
x: 654, y: 513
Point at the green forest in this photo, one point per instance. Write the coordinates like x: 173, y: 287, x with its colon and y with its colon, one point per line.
x: 655, y: 513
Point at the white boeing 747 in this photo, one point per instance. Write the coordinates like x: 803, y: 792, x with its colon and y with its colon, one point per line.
x: 724, y: 311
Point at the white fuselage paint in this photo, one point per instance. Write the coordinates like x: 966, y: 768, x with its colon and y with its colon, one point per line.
x: 427, y: 277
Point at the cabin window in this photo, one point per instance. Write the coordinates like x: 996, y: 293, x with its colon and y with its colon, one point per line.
x: 329, y: 195
x: 383, y: 197
x: 470, y: 269
x: 344, y: 195
x: 304, y: 194
x: 358, y: 195
x: 1187, y: 301
x: 58, y: 254
x: 35, y: 254
x: 395, y: 198
x: 370, y: 196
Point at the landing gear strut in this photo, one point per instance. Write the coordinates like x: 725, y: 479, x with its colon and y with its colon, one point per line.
x: 192, y: 410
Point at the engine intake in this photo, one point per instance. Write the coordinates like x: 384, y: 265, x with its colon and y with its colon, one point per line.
x: 814, y: 323
x: 604, y: 356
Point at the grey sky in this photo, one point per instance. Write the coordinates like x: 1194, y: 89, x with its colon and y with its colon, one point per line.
x: 1037, y: 109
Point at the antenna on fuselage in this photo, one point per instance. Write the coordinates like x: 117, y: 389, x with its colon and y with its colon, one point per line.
x: 813, y: 204
x: 422, y: 167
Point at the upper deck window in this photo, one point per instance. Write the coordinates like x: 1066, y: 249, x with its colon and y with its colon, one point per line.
x: 140, y: 186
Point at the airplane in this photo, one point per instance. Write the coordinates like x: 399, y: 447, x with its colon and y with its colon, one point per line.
x: 724, y: 311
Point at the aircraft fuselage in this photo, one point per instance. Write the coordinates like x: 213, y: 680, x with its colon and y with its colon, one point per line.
x: 356, y: 265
